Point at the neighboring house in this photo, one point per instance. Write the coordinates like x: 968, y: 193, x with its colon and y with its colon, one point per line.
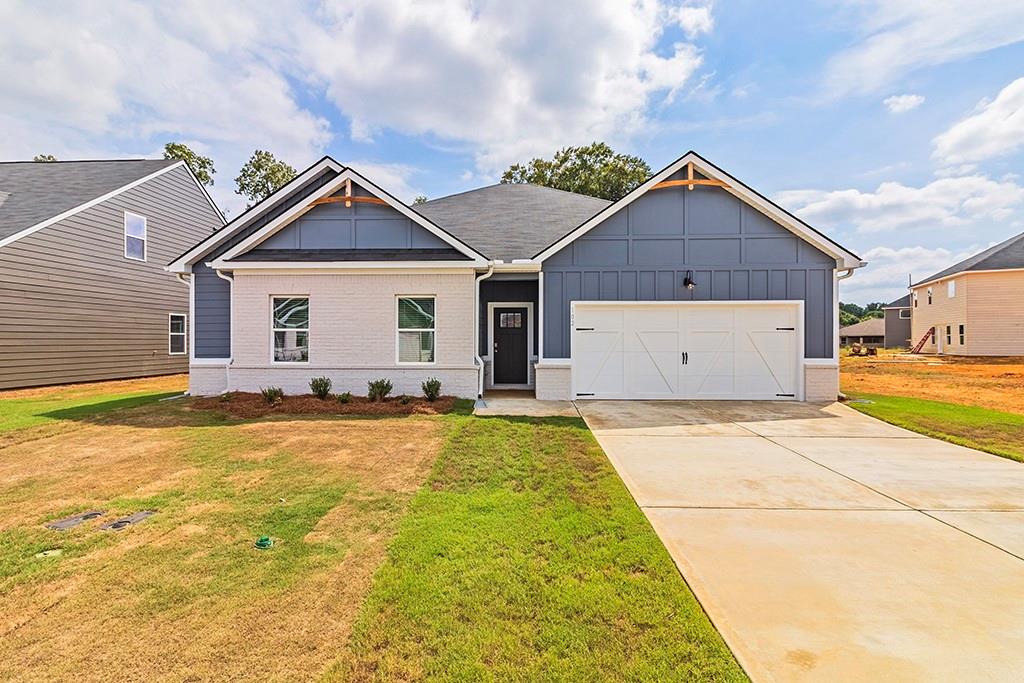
x: 897, y: 323
x: 691, y: 286
x: 83, y: 245
x: 870, y: 332
x: 975, y: 307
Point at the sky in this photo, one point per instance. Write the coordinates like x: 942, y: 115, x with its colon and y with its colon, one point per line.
x: 897, y: 128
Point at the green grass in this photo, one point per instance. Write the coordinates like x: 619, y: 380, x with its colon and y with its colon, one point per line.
x: 987, y: 430
x: 524, y: 558
x: 19, y: 413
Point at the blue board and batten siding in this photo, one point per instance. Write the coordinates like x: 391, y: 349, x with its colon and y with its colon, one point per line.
x: 643, y: 253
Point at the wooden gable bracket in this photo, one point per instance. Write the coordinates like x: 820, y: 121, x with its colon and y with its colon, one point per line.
x: 348, y: 198
x: 690, y: 181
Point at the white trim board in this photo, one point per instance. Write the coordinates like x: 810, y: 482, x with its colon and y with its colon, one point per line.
x: 343, y: 266
x: 93, y: 202
x: 491, y: 307
x: 845, y: 258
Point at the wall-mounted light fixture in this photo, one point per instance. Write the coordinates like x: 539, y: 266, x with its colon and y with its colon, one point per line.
x: 688, y: 280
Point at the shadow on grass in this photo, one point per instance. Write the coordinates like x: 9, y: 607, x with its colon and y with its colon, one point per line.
x: 93, y: 409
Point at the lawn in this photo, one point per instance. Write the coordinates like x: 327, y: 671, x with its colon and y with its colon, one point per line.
x: 447, y: 547
x: 974, y: 402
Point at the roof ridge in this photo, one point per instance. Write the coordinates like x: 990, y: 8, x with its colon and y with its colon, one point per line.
x: 82, y: 161
x: 500, y: 184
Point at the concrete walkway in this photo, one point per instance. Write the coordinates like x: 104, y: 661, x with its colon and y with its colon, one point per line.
x: 827, y: 545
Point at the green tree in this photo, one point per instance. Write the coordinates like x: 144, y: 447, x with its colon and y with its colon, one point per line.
x: 595, y: 170
x: 420, y: 199
x: 262, y: 176
x: 853, y: 309
x: 847, y: 318
x: 44, y: 157
x: 201, y: 166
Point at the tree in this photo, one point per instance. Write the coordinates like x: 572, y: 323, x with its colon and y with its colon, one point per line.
x: 420, y: 199
x: 595, y: 170
x: 201, y: 166
x: 262, y: 176
x: 44, y: 157
x: 852, y: 309
x: 847, y: 318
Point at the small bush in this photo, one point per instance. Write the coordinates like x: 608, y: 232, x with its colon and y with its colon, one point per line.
x: 432, y: 388
x: 321, y: 387
x: 227, y: 396
x: 405, y: 400
x: 378, y: 389
x: 345, y: 397
x: 272, y: 395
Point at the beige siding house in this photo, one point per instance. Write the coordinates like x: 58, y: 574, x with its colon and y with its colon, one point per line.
x: 83, y: 245
x: 974, y: 308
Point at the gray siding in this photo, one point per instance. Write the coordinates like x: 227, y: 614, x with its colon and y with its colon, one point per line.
x: 75, y: 309
x: 360, y: 226
x: 643, y: 252
x: 897, y: 330
x: 212, y: 315
x: 498, y: 290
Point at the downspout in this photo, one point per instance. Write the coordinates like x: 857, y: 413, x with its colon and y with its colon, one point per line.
x: 231, y: 316
x: 187, y: 281
x: 476, y: 331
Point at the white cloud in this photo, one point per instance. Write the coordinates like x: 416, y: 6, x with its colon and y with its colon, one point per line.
x: 506, y: 82
x: 995, y: 129
x: 693, y: 20
x: 942, y: 203
x: 899, y: 104
x: 886, y: 276
x: 897, y: 38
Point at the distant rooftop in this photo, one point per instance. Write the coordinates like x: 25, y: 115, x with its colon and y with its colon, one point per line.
x: 33, y: 191
x: 1003, y: 256
x: 872, y: 327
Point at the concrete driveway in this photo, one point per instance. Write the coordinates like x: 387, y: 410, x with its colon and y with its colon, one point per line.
x: 827, y: 545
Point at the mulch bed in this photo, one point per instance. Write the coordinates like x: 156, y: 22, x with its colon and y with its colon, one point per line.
x: 242, y: 404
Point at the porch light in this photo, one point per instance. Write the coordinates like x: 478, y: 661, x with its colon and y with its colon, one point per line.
x: 688, y: 280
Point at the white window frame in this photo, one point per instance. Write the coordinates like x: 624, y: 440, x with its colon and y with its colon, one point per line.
x: 962, y: 333
x: 949, y: 335
x: 144, y: 238
x: 306, y: 329
x: 951, y: 289
x: 183, y: 334
x: 907, y: 312
x: 929, y: 296
x: 399, y: 330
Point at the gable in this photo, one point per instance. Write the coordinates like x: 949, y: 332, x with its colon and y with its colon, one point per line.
x: 357, y: 226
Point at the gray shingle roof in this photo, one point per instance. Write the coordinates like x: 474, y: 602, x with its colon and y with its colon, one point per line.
x: 902, y: 302
x: 511, y: 220
x: 36, y: 191
x: 872, y: 327
x: 1008, y: 254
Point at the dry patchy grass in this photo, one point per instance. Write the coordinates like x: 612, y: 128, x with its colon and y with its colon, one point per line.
x: 184, y: 595
x: 995, y: 383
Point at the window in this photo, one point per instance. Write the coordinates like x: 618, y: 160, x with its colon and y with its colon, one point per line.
x: 915, y: 299
x: 176, y: 334
x: 510, y: 320
x: 929, y: 296
x: 134, y: 236
x: 949, y: 335
x: 962, y: 335
x: 416, y: 329
x: 933, y: 336
x: 290, y: 329
x: 951, y: 289
x: 905, y: 313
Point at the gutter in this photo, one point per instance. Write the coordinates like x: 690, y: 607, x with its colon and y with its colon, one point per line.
x: 476, y: 330
x: 231, y: 349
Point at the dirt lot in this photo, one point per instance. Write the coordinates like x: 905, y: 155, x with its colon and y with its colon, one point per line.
x: 184, y: 595
x: 996, y: 383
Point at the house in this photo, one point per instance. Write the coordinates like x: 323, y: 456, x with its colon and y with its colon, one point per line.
x: 691, y: 286
x: 869, y: 332
x: 974, y: 307
x: 897, y: 323
x: 83, y: 245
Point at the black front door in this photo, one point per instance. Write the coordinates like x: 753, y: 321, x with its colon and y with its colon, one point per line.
x: 510, y: 345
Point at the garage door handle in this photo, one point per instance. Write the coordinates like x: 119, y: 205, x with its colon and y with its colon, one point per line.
x: 584, y: 329
x: 686, y: 357
x: 786, y: 329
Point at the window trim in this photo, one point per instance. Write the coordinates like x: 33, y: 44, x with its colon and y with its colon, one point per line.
x: 929, y: 296
x: 306, y: 329
x: 399, y: 330
x: 144, y: 238
x: 951, y: 289
x: 183, y: 334
x: 962, y: 334
x: 904, y: 317
x: 949, y: 335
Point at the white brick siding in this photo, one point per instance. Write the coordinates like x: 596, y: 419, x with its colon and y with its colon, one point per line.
x: 553, y: 382
x: 821, y: 383
x: 206, y: 380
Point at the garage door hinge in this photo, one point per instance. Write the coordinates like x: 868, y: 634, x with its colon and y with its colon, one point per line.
x: 789, y: 395
x: 783, y: 329
x: 579, y: 394
x: 584, y: 329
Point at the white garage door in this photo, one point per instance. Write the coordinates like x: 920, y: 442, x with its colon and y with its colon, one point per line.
x: 687, y: 350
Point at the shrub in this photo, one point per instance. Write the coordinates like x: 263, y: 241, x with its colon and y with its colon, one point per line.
x: 378, y: 389
x: 405, y: 400
x: 321, y: 387
x: 432, y: 388
x: 345, y: 397
x: 272, y: 395
x: 227, y: 396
